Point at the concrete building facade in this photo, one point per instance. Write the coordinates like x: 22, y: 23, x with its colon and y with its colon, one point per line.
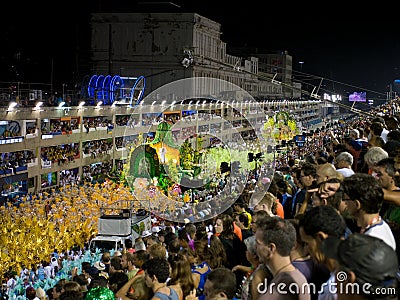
x: 165, y: 47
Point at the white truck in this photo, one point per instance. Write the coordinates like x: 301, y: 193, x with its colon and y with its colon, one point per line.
x: 116, y: 225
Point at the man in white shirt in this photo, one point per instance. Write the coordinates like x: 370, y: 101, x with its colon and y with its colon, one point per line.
x: 363, y: 197
x: 343, y: 164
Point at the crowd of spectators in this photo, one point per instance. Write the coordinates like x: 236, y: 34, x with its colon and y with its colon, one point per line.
x: 330, y: 209
x: 127, y: 120
x: 61, y: 154
x: 13, y: 160
x: 97, y: 148
x: 97, y: 122
x: 97, y: 172
x: 9, y: 133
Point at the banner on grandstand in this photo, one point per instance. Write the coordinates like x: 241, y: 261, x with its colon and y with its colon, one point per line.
x: 300, y: 140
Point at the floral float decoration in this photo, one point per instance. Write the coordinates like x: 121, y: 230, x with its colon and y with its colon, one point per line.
x: 279, y: 127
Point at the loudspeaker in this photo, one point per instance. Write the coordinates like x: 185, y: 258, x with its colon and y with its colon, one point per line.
x: 224, y: 167
x: 250, y: 157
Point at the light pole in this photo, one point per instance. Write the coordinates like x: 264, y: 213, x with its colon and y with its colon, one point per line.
x: 301, y: 63
x: 63, y: 91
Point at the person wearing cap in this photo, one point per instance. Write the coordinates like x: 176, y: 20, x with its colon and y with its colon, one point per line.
x: 105, y: 259
x: 354, y: 147
x: 146, y: 236
x: 363, y: 197
x: 155, y: 230
x: 102, y: 269
x: 366, y: 267
x: 139, y: 244
x: 117, y: 253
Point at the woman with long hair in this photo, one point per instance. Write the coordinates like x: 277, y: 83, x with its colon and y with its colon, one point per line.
x: 235, y: 249
x: 210, y: 254
x: 181, y: 274
x: 212, y: 251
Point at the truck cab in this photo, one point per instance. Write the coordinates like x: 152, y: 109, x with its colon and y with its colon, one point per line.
x: 116, y: 225
x: 107, y: 243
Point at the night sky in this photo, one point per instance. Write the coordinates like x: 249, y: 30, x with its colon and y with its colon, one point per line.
x: 352, y: 49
